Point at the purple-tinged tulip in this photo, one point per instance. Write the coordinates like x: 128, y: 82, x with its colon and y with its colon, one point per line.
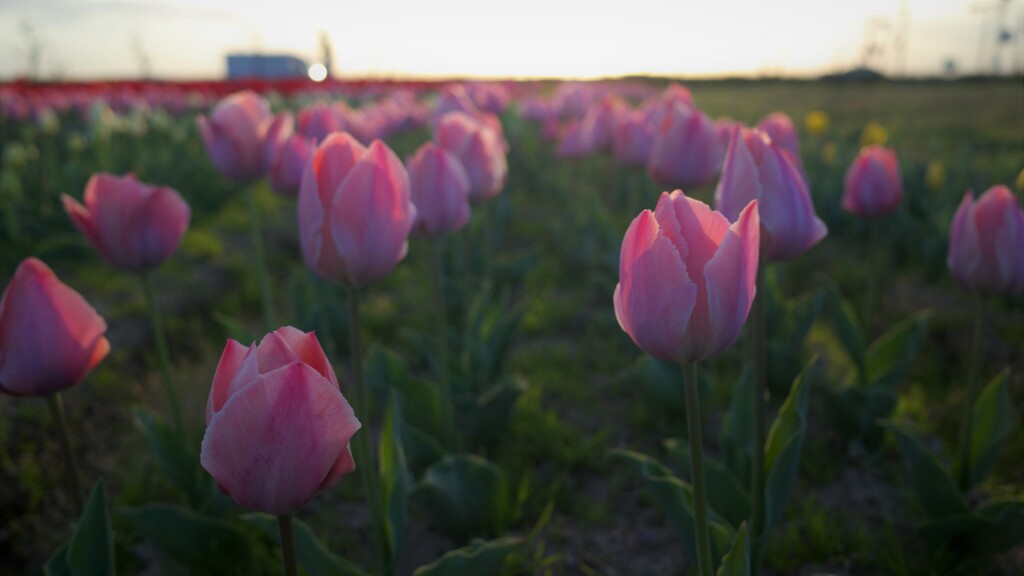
x: 134, y: 227
x: 632, y: 139
x: 598, y: 123
x: 440, y: 190
x: 355, y: 211
x: 570, y: 141
x: 756, y: 169
x: 687, y: 278
x: 479, y: 148
x: 685, y: 149
x: 986, y: 243
x: 289, y: 164
x: 873, y: 186
x: 320, y: 120
x: 50, y: 337
x: 277, y: 427
x: 780, y: 128
x: 277, y: 132
x: 233, y: 135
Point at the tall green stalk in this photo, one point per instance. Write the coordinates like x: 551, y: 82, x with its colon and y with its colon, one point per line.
x: 163, y: 356
x: 973, y: 389
x: 872, y: 277
x: 364, y: 453
x: 266, y: 298
x: 74, y: 477
x: 705, y: 563
x: 444, y: 376
x: 284, y: 525
x: 760, y: 385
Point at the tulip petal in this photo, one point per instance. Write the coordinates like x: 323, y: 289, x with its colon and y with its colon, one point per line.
x: 730, y: 277
x: 155, y: 229
x: 230, y: 360
x: 274, y: 444
x: 343, y: 465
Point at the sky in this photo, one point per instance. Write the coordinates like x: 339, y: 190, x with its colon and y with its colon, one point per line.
x: 188, y: 39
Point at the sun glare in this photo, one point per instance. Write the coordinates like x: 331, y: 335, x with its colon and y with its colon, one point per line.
x: 318, y: 72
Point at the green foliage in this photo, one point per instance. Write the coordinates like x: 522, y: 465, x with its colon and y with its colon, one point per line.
x: 727, y: 493
x: 737, y: 561
x: 394, y: 477
x: 179, y: 463
x: 932, y: 485
x: 992, y: 421
x: 312, y: 555
x: 465, y: 495
x: 480, y: 557
x: 91, y: 550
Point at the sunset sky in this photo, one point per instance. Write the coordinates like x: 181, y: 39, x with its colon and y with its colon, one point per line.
x: 188, y: 39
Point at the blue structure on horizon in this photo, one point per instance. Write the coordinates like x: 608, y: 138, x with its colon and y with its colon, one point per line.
x: 265, y: 66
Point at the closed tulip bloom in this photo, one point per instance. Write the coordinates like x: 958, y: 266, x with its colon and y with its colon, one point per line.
x: 873, y: 186
x: 479, y: 148
x: 133, y: 226
x: 440, y: 190
x: 685, y: 150
x: 756, y: 169
x: 50, y: 337
x: 277, y: 427
x: 780, y: 128
x: 631, y: 140
x: 570, y: 141
x: 289, y: 164
x: 687, y: 278
x: 986, y: 243
x: 233, y: 135
x: 277, y: 132
x: 355, y: 211
x: 320, y: 120
x: 599, y: 122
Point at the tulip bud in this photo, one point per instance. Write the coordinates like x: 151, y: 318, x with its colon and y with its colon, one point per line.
x: 440, y: 190
x: 872, y: 185
x: 233, y: 135
x: 986, y: 243
x: 50, y: 337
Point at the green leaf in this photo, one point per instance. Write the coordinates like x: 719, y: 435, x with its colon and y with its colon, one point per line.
x: 421, y: 449
x: 991, y: 425
x: 662, y: 383
x: 737, y: 435
x: 58, y: 563
x: 394, y: 477
x: 480, y: 557
x: 726, y: 494
x: 676, y: 498
x: 205, y: 544
x: 493, y: 409
x: 783, y: 448
x: 992, y: 528
x: 387, y: 371
x: 931, y: 483
x: 234, y: 329
x: 737, y: 561
x: 173, y: 458
x: 465, y: 494
x: 91, y: 551
x: 850, y: 334
x: 313, y: 556
x: 891, y: 355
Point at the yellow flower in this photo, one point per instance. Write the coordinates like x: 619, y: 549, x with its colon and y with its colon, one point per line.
x: 935, y: 175
x: 1020, y: 180
x: 816, y: 122
x: 874, y: 133
x: 828, y: 154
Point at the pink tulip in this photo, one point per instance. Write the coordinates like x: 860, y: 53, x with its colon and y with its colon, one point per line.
x: 479, y: 148
x: 132, y: 226
x: 50, y: 337
x: 320, y: 120
x: 277, y: 427
x: 598, y: 123
x: 986, y: 243
x: 570, y: 141
x: 631, y: 140
x: 440, y: 190
x: 355, y: 211
x: 289, y: 164
x: 780, y: 128
x: 233, y: 135
x: 687, y: 278
x: 277, y: 132
x: 756, y: 169
x: 685, y: 150
x: 873, y: 186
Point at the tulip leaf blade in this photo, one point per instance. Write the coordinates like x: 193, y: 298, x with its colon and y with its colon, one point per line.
x: 479, y: 557
x: 676, y: 498
x: 847, y: 327
x: 726, y: 494
x: 178, y: 463
x: 193, y: 539
x: 932, y: 484
x: 91, y: 549
x: 464, y: 494
x: 312, y: 555
x: 394, y: 477
x: 737, y: 561
x: 991, y: 424
x: 736, y: 437
x: 891, y: 354
x: 783, y: 448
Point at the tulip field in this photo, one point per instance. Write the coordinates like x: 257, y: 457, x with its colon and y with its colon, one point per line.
x: 628, y: 327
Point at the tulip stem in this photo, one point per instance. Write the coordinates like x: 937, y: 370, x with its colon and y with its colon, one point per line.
x: 875, y: 261
x: 700, y: 514
x: 757, y: 472
x: 266, y: 298
x: 74, y: 477
x: 284, y: 524
x: 964, y: 467
x: 163, y: 357
x: 364, y: 455
x: 448, y: 402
